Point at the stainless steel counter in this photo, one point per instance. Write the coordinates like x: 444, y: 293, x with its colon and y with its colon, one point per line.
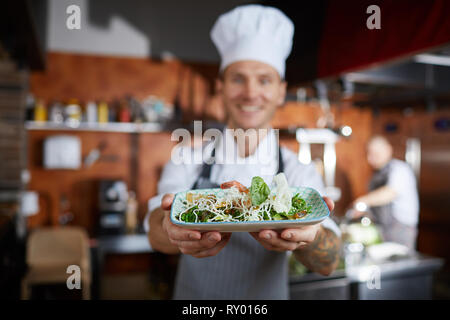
x: 401, y: 278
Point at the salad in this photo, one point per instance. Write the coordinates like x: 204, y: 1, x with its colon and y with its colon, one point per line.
x: 238, y: 203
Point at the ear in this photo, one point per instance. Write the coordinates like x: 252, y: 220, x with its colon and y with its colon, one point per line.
x: 282, y: 92
x: 219, y: 85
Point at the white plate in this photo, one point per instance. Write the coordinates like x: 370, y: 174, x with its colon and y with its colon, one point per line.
x: 319, y: 212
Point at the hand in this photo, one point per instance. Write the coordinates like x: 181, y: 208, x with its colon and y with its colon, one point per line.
x: 355, y: 214
x: 290, y: 239
x: 358, y: 208
x: 191, y: 242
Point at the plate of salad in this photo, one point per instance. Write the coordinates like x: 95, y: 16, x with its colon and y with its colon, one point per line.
x: 234, y: 207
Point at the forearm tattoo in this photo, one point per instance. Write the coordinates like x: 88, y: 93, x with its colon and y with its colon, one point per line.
x: 322, y: 255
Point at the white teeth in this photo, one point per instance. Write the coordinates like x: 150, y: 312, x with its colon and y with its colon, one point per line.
x: 250, y: 108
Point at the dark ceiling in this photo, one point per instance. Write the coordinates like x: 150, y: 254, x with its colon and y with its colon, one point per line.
x: 23, y: 25
x: 309, y: 17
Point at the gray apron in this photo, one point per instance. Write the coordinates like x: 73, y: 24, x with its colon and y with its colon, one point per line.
x: 243, y: 269
x: 381, y: 214
x: 391, y: 228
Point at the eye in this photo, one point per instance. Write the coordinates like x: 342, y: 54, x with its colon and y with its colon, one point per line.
x: 265, y: 81
x: 237, y: 80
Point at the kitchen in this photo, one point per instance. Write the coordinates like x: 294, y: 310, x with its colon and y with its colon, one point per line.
x: 88, y: 116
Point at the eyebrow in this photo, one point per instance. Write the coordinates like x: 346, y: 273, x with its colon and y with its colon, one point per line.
x: 263, y: 74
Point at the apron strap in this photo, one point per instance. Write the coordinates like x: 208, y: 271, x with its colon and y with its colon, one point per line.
x: 205, y: 174
x: 280, y: 161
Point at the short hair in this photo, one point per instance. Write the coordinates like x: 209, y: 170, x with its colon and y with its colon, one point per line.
x: 379, y: 139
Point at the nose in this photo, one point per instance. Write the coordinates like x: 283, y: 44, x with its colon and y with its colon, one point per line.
x: 251, y: 90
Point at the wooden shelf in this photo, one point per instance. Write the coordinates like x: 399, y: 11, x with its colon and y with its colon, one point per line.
x: 103, y: 127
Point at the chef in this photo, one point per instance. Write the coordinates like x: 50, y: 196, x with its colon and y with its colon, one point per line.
x: 392, y: 199
x: 254, y: 42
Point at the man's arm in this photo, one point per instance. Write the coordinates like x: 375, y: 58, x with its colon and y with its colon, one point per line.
x: 316, y: 247
x: 378, y: 197
x: 157, y: 237
x: 321, y: 255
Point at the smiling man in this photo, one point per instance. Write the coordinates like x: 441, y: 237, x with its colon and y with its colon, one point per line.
x: 252, y: 91
x: 254, y: 42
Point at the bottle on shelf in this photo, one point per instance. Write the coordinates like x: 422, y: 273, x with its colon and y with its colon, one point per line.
x: 40, y: 111
x: 73, y: 113
x: 56, y: 113
x: 91, y: 112
x: 131, y: 213
x: 103, y: 112
x: 29, y: 108
x: 124, y: 112
x: 112, y: 111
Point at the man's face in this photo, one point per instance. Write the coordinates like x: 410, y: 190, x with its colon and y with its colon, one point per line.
x: 378, y: 154
x: 251, y: 92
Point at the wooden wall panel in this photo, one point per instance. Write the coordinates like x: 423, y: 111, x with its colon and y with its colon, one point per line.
x: 89, y: 77
x: 117, y: 161
x: 79, y: 186
x: 293, y: 114
x: 154, y: 152
x: 352, y: 170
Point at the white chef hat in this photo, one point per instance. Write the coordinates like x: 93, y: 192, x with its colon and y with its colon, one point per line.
x: 254, y: 32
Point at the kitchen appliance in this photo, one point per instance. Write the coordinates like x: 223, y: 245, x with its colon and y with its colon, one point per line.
x: 113, y: 197
x: 62, y: 152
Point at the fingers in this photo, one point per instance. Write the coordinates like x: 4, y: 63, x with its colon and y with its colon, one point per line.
x: 166, y: 202
x: 306, y: 234
x: 193, y: 242
x: 329, y: 202
x: 207, y: 241
x: 214, y: 250
x: 177, y: 233
x: 288, y: 239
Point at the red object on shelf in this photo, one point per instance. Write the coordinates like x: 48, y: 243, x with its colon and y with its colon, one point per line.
x: 124, y: 114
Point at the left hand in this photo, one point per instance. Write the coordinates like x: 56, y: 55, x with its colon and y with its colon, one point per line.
x: 290, y: 239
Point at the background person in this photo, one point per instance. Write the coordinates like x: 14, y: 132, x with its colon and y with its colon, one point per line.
x: 393, y: 198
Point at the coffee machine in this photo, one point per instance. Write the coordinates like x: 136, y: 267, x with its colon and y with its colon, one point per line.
x: 113, y: 197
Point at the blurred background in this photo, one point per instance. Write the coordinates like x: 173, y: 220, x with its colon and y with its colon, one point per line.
x: 87, y: 108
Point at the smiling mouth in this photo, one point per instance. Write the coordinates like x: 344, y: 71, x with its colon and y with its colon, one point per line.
x: 249, y: 108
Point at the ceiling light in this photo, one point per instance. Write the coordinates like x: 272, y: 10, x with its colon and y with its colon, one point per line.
x: 433, y: 59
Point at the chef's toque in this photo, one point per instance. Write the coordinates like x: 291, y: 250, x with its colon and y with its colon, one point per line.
x: 254, y: 32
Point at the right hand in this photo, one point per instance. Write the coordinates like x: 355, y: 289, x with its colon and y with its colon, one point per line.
x: 353, y: 214
x: 191, y: 242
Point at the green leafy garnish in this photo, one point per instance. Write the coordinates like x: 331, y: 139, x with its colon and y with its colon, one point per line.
x: 299, y: 205
x: 299, y: 209
x: 188, y: 216
x: 277, y: 216
x: 259, y: 191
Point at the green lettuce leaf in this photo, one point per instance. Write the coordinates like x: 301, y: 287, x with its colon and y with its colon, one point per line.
x: 259, y: 191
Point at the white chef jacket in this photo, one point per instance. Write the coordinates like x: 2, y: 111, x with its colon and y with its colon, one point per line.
x: 177, y: 177
x: 405, y: 206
